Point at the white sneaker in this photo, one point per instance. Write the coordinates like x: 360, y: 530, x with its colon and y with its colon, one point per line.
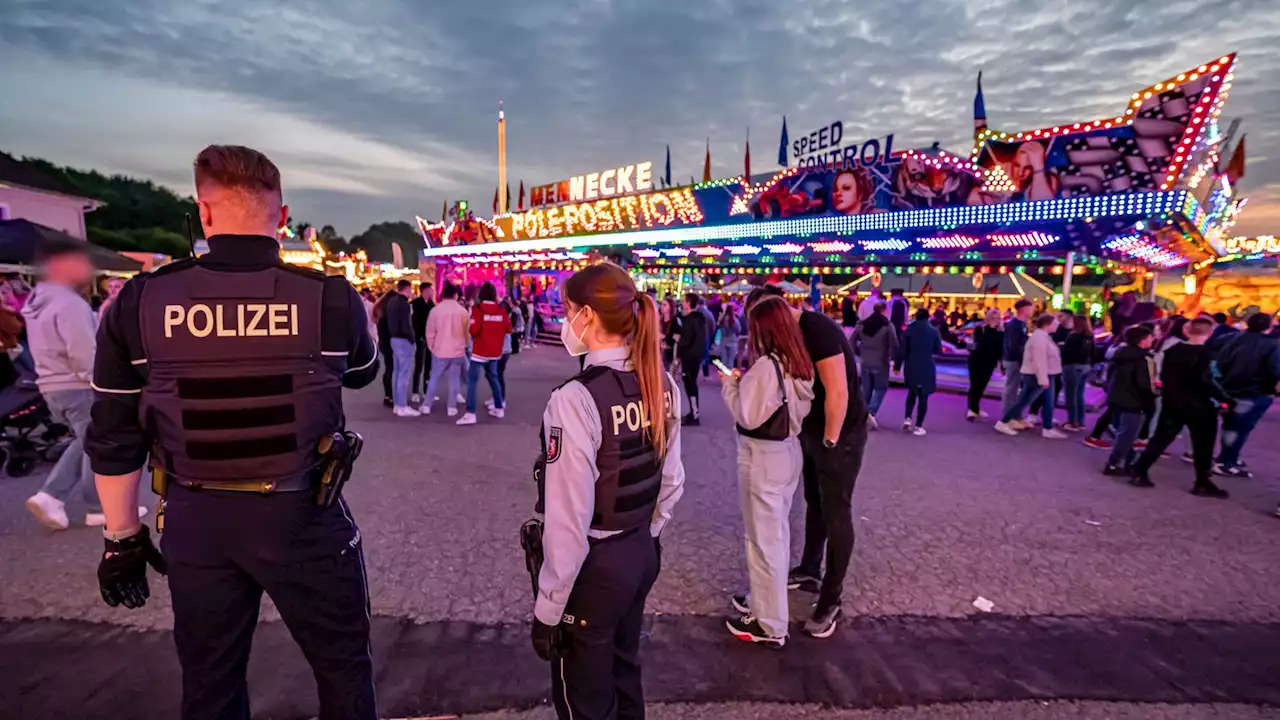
x: 452, y: 411
x: 99, y: 519
x: 919, y: 432
x: 983, y: 414
x: 425, y: 409
x: 498, y: 412
x: 467, y: 419
x: 1017, y: 424
x: 872, y: 422
x: 971, y: 415
x: 1053, y: 434
x: 1005, y: 428
x: 906, y: 426
x: 1033, y: 421
x: 416, y: 399
x: 407, y: 412
x: 489, y: 403
x: 49, y: 510
x: 461, y: 398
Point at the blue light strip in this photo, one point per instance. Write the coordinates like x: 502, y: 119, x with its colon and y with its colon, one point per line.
x: 1128, y: 205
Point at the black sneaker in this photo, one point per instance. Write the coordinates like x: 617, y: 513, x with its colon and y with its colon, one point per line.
x: 740, y: 603
x: 690, y: 421
x: 1209, y: 490
x: 1235, y: 471
x: 823, y: 622
x: 798, y: 579
x: 1141, y: 480
x: 748, y: 629
x: 387, y: 402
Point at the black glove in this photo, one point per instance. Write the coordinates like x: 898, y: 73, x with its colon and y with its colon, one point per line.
x: 122, y: 574
x: 549, y: 641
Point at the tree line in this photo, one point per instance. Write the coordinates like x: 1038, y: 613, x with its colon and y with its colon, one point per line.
x: 141, y: 216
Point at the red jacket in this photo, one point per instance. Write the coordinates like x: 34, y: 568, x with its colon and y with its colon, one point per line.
x: 490, y: 325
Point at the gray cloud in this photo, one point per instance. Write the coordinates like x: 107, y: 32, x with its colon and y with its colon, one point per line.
x: 592, y: 83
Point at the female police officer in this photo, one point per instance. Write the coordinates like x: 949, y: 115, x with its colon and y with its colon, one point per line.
x: 612, y: 474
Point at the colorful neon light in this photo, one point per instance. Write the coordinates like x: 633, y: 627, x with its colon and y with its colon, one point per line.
x: 834, y: 246
x: 675, y: 252
x: 646, y: 253
x: 784, y: 248
x: 949, y: 242
x: 944, y: 160
x: 1262, y: 244
x: 708, y: 251
x: 1034, y: 238
x: 1144, y: 204
x: 890, y: 244
x: 1141, y: 247
x: 744, y: 249
x: 633, y: 212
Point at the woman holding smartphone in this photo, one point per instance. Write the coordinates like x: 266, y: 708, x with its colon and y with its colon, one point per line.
x: 768, y: 403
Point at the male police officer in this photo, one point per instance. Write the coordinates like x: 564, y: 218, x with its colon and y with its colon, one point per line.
x: 229, y: 370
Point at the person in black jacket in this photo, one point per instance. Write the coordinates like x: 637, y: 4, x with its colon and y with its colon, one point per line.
x: 1015, y: 341
x: 1130, y: 395
x: 988, y: 348
x: 1191, y: 398
x: 691, y: 350
x: 421, y: 307
x: 400, y: 336
x: 1249, y: 370
x: 1078, y: 350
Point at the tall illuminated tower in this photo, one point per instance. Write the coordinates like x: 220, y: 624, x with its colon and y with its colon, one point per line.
x: 502, y: 160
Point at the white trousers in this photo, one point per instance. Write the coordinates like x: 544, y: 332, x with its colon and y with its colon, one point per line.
x: 768, y: 475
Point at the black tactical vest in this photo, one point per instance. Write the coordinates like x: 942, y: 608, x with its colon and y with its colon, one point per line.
x: 629, y: 465
x: 237, y: 388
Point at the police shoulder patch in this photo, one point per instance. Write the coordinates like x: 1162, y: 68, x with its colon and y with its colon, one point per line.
x: 554, y: 440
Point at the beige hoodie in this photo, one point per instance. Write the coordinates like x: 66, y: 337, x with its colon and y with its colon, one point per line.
x: 447, y: 329
x: 755, y: 396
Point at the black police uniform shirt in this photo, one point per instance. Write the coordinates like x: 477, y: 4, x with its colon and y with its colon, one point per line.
x: 573, y: 427
x: 824, y: 339
x: 118, y: 441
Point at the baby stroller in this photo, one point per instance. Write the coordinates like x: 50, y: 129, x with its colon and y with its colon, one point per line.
x: 27, y: 431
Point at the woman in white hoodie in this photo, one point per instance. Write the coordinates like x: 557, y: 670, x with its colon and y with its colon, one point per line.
x: 768, y: 403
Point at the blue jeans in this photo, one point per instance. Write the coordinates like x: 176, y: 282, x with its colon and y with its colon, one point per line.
x: 1075, y: 377
x: 1128, y: 426
x: 71, y: 407
x: 1012, y: 384
x: 875, y: 384
x: 402, y: 371
x: 1237, y: 425
x: 490, y: 369
x: 729, y: 352
x: 440, y: 367
x: 1029, y: 391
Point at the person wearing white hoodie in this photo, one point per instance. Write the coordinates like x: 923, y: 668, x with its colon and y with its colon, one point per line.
x: 769, y: 404
x: 61, y: 330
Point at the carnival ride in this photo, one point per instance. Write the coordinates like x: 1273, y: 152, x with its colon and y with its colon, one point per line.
x: 1139, y: 193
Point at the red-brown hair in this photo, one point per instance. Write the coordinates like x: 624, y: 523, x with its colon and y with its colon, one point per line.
x: 610, y: 293
x: 774, y: 330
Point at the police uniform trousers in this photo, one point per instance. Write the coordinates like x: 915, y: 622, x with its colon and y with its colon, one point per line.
x: 223, y: 550
x: 599, y: 677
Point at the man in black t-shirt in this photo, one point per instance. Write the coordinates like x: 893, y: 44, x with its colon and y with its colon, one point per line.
x: 421, y: 307
x: 833, y: 437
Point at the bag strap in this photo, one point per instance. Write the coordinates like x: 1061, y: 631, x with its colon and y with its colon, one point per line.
x: 777, y: 367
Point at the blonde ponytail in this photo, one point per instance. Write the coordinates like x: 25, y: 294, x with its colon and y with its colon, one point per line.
x: 646, y: 358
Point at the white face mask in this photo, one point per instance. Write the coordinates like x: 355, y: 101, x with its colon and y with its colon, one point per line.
x: 573, y: 343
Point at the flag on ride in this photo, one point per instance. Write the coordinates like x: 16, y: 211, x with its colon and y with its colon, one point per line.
x: 1235, y: 168
x: 979, y: 109
x: 520, y: 205
x: 783, y: 142
x: 444, y: 212
x: 747, y: 160
x: 495, y: 200
x: 706, y: 164
x: 508, y: 197
x: 666, y: 179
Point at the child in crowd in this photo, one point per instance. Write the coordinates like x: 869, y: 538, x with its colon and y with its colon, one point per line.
x: 1130, y: 395
x: 1191, y: 398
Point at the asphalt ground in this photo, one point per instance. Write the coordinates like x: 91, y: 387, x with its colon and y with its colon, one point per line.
x: 1081, y: 569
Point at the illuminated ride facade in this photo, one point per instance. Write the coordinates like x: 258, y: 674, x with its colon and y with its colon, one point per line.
x: 1140, y: 192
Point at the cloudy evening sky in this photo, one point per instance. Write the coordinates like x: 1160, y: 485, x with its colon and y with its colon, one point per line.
x: 380, y: 109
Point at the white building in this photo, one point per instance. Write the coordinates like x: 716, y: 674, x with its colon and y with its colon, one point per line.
x: 28, y: 194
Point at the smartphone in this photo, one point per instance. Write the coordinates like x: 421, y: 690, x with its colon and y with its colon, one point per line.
x: 724, y: 369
